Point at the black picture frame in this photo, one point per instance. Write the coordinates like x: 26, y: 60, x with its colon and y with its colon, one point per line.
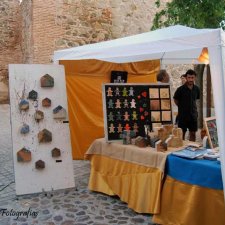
x: 118, y: 76
x: 133, y: 106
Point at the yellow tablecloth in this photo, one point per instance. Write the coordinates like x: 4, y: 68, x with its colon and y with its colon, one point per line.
x: 185, y: 204
x: 134, y: 174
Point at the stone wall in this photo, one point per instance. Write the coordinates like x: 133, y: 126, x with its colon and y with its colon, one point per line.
x: 83, y: 22
x: 68, y: 23
x: 26, y: 31
x: 132, y: 17
x: 10, y: 48
x: 45, y: 29
x: 33, y: 30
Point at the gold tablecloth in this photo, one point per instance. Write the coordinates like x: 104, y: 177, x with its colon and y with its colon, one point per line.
x: 134, y: 174
x: 185, y: 204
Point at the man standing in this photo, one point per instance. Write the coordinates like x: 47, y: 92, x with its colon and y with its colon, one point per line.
x: 185, y: 98
x: 183, y: 79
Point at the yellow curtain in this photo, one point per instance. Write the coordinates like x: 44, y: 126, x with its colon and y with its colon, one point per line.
x: 84, y: 79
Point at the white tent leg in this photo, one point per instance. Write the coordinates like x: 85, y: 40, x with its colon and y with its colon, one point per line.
x: 218, y: 84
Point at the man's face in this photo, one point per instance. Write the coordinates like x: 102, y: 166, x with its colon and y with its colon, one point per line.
x: 183, y: 80
x: 190, y: 79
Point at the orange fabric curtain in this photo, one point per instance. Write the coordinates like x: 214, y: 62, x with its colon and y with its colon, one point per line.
x: 84, y: 79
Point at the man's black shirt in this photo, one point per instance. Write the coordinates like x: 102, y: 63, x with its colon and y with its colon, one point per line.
x: 186, y: 97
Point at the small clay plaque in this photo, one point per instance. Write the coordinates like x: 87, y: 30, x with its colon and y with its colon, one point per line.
x: 38, y: 115
x: 47, y: 81
x: 33, y: 95
x: 25, y: 129
x: 46, y: 102
x: 24, y: 104
x: 44, y: 136
x: 24, y: 155
x: 59, y: 112
x: 56, y: 152
x: 39, y: 164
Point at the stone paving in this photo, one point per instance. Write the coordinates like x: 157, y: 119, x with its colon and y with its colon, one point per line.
x: 77, y: 206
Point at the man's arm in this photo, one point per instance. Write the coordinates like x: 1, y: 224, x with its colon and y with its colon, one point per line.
x: 176, y: 96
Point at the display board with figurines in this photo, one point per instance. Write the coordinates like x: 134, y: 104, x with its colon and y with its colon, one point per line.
x: 40, y: 129
x: 135, y: 106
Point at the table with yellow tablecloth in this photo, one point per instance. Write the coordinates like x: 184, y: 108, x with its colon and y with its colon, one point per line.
x: 190, y: 193
x: 132, y: 173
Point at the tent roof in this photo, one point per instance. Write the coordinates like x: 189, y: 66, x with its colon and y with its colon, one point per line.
x: 175, y: 44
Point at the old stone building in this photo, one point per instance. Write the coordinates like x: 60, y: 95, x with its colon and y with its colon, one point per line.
x: 32, y: 29
x: 10, y: 42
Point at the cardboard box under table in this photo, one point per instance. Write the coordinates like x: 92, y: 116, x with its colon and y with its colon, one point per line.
x: 132, y: 173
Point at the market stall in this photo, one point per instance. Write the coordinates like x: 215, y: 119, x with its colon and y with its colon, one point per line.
x: 171, y: 45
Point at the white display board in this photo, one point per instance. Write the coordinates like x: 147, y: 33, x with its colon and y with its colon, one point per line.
x: 58, y: 171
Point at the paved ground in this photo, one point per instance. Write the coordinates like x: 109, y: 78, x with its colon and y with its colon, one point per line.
x: 66, y: 207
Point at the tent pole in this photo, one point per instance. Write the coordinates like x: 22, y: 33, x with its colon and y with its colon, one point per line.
x: 218, y: 84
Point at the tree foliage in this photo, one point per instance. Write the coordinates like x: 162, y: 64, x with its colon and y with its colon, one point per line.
x: 196, y: 14
x: 193, y: 13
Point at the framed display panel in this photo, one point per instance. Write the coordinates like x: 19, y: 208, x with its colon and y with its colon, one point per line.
x: 38, y: 129
x: 132, y: 106
x: 211, y: 130
x: 118, y: 77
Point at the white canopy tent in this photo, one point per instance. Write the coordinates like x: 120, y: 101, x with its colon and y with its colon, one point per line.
x: 172, y: 45
x: 176, y: 44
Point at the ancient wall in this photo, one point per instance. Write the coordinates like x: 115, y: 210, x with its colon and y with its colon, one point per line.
x: 30, y: 32
x: 68, y: 23
x: 132, y: 17
x: 26, y: 31
x: 10, y: 49
x: 45, y: 29
x: 83, y: 22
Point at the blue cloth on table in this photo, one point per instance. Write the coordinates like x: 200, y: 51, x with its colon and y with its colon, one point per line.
x: 201, y: 172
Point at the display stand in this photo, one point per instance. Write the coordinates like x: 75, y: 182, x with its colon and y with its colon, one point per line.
x: 134, y: 107
x: 211, y: 130
x: 40, y: 129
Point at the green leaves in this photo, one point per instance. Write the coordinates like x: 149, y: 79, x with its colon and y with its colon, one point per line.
x: 193, y: 13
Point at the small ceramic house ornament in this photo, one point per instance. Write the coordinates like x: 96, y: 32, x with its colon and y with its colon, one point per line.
x: 24, y: 104
x: 56, y: 152
x: 25, y: 129
x: 59, y: 112
x: 47, y: 81
x: 46, y: 102
x: 44, y: 136
x: 39, y: 165
x: 23, y: 155
x: 33, y: 95
x: 141, y: 142
x: 38, y: 115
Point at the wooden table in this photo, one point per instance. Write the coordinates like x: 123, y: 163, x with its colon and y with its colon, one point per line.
x: 134, y: 174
